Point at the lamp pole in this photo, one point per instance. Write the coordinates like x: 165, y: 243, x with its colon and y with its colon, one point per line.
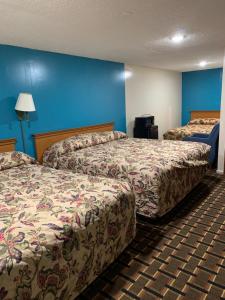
x: 23, y: 136
x: 24, y: 105
x: 21, y: 116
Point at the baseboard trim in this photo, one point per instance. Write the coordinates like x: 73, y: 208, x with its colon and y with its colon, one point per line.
x: 220, y: 172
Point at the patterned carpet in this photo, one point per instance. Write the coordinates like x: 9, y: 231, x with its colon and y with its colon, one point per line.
x: 178, y: 257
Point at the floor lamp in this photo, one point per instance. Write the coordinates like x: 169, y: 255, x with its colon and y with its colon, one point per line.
x: 24, y: 105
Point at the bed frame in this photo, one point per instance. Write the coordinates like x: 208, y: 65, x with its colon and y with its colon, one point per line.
x: 7, y: 145
x: 196, y: 114
x: 44, y: 140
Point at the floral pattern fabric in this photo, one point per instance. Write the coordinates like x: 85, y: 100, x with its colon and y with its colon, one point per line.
x: 204, y: 121
x: 83, y: 141
x: 161, y: 173
x: 59, y: 230
x: 188, y: 130
x: 14, y: 159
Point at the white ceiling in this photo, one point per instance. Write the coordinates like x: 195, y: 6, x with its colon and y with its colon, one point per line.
x: 129, y: 31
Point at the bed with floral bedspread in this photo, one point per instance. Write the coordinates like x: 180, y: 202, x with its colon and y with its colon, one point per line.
x: 204, y: 126
x: 58, y: 230
x: 161, y: 173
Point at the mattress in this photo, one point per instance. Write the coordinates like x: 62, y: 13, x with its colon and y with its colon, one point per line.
x: 201, y: 125
x: 188, y: 130
x: 161, y: 173
x: 58, y: 230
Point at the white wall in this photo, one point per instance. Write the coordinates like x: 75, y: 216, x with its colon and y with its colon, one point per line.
x: 155, y: 92
x: 220, y: 167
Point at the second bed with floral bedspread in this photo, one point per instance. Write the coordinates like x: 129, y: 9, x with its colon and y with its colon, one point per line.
x: 204, y: 126
x: 161, y: 173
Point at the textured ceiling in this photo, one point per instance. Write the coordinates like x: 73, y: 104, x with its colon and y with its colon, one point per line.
x: 130, y: 31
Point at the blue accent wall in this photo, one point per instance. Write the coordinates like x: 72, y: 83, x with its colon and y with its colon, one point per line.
x: 68, y: 91
x: 201, y: 90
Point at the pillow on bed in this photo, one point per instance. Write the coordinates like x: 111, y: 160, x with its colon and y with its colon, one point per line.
x: 80, y: 141
x: 13, y: 159
x: 204, y: 121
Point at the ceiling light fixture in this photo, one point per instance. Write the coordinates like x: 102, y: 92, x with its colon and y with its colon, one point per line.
x: 203, y: 63
x: 177, y: 38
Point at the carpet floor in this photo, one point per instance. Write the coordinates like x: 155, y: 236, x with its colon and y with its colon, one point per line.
x: 181, y: 256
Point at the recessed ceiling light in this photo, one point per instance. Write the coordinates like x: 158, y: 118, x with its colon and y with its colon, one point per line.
x: 203, y: 63
x: 127, y: 74
x: 177, y: 38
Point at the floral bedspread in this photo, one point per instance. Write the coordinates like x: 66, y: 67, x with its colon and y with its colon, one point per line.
x: 161, y: 173
x: 184, y: 131
x: 58, y: 230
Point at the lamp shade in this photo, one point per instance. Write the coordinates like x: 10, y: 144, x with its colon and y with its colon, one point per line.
x: 25, y: 103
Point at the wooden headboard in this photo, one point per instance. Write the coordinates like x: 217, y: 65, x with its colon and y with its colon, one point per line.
x: 7, y: 145
x: 196, y: 114
x: 44, y: 140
